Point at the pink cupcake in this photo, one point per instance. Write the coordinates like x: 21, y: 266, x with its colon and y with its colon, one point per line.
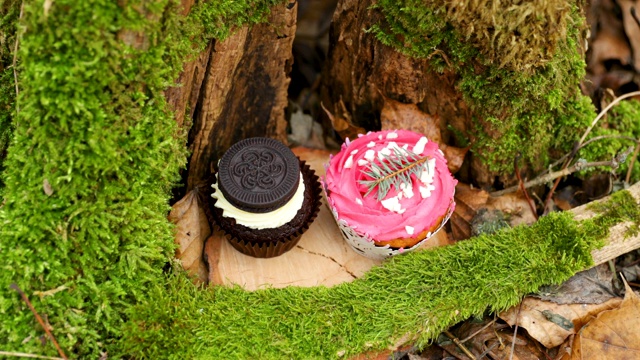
x: 389, y: 191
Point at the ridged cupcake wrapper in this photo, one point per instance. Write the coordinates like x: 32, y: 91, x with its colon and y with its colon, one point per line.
x: 277, y: 248
x: 365, y: 246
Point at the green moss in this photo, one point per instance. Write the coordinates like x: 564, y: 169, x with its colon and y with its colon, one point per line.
x: 419, y: 294
x: 526, y: 96
x: 94, y: 126
x: 620, y: 207
x: 9, y: 13
x: 621, y: 120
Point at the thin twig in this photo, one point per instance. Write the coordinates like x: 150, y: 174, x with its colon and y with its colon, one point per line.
x: 593, y: 139
x: 489, y: 349
x: 459, y: 344
x: 515, y: 332
x: 554, y: 175
x: 25, y: 355
x: 580, y: 143
x: 603, y: 112
x: 35, y: 313
x: 477, y: 332
x: 15, y: 56
x: 633, y: 162
x: 523, y: 189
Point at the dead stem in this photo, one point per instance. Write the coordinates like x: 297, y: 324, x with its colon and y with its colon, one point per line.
x: 633, y: 162
x: 553, y: 176
x: 523, y: 189
x: 460, y: 345
x: 580, y: 165
x: 515, y: 332
x: 579, y: 145
x: 35, y: 313
x: 477, y: 332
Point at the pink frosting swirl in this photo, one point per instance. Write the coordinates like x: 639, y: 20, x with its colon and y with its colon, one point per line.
x: 366, y: 214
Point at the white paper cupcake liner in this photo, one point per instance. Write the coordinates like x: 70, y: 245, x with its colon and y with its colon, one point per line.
x: 365, y: 246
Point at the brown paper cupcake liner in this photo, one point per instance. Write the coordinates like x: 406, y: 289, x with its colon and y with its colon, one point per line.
x: 269, y: 249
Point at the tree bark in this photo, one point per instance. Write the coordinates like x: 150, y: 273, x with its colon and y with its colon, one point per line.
x: 235, y: 89
x: 361, y: 72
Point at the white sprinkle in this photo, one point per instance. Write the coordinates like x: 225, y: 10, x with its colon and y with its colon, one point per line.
x: 371, y: 144
x: 390, y: 203
x: 379, y: 137
x: 405, y: 146
x: 369, y: 155
x: 419, y: 147
x: 354, y: 152
x: 358, y: 201
x: 392, y: 135
x: 432, y: 163
x: 349, y: 162
x: 393, y: 204
x: 383, y: 152
x: 426, y: 177
x: 408, y: 191
x: 362, y: 162
x: 424, y: 192
x: 441, y: 153
x: 409, y: 229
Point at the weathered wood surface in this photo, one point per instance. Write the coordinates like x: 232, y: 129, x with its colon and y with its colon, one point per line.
x: 618, y: 243
x: 321, y: 257
x: 236, y: 88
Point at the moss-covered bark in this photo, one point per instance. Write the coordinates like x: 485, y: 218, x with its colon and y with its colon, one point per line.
x: 519, y: 69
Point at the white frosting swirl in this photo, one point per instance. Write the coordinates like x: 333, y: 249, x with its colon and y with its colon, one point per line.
x: 268, y: 220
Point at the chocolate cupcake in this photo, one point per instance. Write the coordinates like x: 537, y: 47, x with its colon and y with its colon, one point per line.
x: 264, y: 198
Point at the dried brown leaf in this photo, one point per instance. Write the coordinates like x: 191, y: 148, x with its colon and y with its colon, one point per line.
x: 341, y: 121
x: 192, y: 229
x: 613, y: 334
x: 631, y: 28
x: 468, y: 201
x: 547, y: 322
x: 515, y: 205
x: 397, y: 115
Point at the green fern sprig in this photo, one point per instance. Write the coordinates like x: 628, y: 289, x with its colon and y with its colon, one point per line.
x: 393, y: 170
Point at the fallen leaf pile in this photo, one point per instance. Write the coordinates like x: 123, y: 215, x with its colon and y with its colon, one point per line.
x: 612, y: 334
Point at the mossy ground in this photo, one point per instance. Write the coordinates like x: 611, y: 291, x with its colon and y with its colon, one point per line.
x: 419, y: 294
x: 94, y: 153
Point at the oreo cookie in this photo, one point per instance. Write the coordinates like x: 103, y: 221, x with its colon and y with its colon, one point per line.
x: 258, y: 175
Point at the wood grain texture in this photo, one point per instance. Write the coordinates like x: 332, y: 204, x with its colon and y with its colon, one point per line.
x: 617, y: 243
x: 235, y: 89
